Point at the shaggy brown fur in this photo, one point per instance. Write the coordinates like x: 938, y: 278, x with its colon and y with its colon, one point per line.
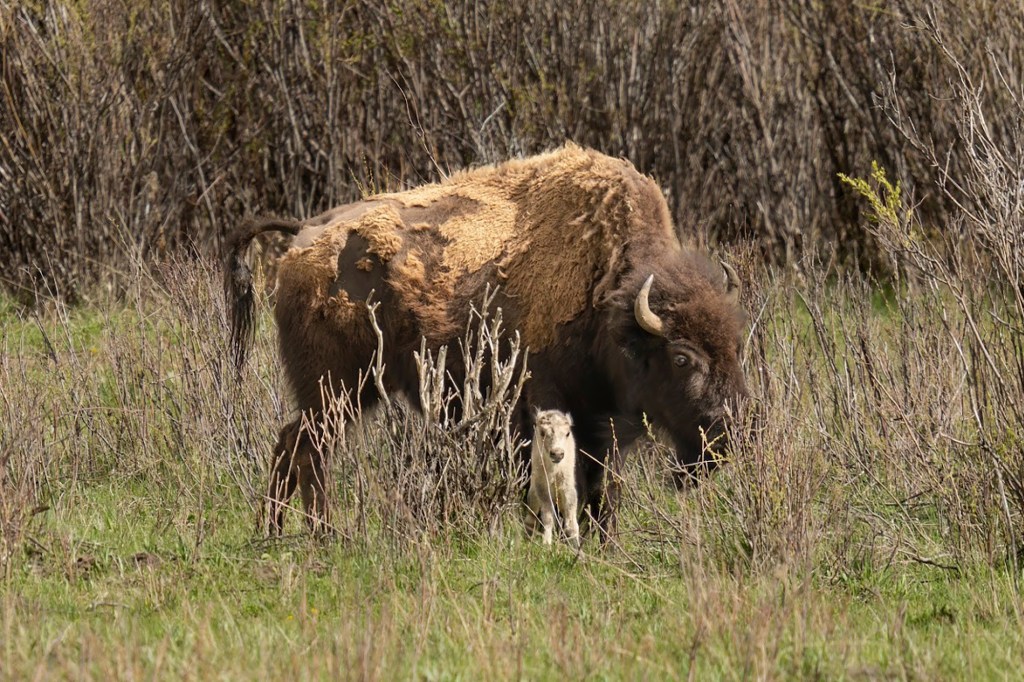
x: 570, y: 237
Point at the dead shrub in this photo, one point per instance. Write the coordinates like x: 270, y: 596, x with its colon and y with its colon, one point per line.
x: 157, y: 127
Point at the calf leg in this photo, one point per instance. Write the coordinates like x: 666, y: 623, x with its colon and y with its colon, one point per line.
x: 547, y: 519
x: 569, y: 514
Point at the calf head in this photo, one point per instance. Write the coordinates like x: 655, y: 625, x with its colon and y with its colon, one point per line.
x: 552, y: 434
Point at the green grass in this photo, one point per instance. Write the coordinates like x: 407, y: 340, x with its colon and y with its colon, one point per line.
x: 847, y: 540
x: 114, y: 584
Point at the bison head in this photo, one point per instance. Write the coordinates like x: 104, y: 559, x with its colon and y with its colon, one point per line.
x: 679, y: 336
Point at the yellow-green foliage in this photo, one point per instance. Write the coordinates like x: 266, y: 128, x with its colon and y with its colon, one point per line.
x: 891, y: 221
x: 884, y: 197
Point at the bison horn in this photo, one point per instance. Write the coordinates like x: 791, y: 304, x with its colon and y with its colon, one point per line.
x: 732, y: 282
x: 645, y: 317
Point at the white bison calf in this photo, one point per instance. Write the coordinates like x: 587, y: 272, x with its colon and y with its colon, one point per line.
x: 552, y: 475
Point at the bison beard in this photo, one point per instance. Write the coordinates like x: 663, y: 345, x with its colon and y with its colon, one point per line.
x: 621, y: 320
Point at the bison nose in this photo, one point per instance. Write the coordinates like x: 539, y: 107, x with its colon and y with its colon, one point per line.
x: 557, y: 455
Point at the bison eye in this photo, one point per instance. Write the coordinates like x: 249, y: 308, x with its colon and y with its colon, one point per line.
x: 681, y: 360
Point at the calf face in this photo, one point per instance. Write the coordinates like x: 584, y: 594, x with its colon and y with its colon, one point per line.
x: 553, y: 435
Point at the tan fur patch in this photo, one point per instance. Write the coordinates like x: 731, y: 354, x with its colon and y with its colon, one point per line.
x: 342, y: 310
x: 558, y: 226
x: 474, y: 237
x: 306, y: 275
x: 427, y: 294
x: 365, y: 264
x: 382, y: 227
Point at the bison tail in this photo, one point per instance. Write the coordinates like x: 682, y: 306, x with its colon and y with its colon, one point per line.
x: 238, y: 280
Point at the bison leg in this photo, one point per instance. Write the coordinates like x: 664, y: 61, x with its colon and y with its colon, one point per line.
x: 283, y: 477
x: 298, y: 463
x: 313, y: 490
x: 607, y: 517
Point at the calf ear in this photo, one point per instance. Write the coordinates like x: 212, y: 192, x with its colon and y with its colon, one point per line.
x: 568, y: 418
x: 732, y: 283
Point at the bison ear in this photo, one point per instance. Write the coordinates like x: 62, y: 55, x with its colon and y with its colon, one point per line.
x: 732, y: 283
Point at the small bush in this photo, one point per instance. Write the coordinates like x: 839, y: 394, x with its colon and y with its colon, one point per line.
x: 157, y: 126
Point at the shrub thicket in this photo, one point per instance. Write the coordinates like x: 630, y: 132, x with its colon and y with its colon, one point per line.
x: 155, y: 126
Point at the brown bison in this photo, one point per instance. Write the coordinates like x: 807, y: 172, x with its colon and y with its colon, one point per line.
x: 621, y: 320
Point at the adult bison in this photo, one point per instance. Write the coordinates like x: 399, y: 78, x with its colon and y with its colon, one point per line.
x: 621, y: 320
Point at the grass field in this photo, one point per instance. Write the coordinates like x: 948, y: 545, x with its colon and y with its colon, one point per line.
x: 865, y: 528
x: 113, y: 590
x: 859, y: 164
